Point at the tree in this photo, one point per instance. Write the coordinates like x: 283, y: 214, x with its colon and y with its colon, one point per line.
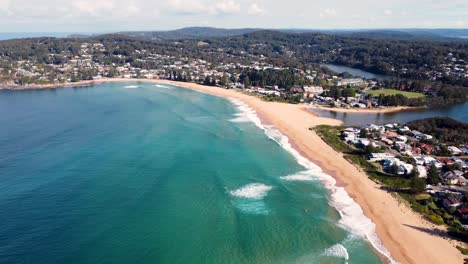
x: 417, y: 185
x: 394, y: 169
x: 414, y: 173
x: 363, y: 133
x: 433, y: 175
x: 349, y: 92
x: 246, y: 82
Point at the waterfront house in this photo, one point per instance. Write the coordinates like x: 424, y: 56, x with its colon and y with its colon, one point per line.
x: 451, y: 202
x: 403, y: 168
x: 376, y: 157
x: 463, y: 213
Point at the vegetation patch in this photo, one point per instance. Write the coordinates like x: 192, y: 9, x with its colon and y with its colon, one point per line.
x: 387, y: 92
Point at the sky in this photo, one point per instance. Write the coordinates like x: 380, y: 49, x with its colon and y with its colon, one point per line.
x: 125, y: 15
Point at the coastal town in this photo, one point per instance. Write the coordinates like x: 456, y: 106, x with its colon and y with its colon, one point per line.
x: 428, y: 172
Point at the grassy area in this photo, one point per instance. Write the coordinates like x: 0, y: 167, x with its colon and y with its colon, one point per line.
x: 421, y: 203
x: 464, y: 251
x: 386, y: 92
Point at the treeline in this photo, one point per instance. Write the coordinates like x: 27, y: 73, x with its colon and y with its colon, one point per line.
x: 400, y: 100
x: 444, y: 129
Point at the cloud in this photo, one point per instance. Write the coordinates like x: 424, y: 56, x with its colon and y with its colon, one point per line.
x: 184, y: 7
x: 256, y: 10
x: 227, y: 7
x: 5, y: 7
x: 388, y: 12
x: 328, y: 13
x: 460, y: 23
x: 199, y: 7
x: 93, y: 7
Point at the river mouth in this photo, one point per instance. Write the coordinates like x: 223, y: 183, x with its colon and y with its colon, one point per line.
x: 458, y: 112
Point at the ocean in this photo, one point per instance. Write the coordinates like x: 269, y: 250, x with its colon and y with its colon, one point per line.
x: 151, y: 173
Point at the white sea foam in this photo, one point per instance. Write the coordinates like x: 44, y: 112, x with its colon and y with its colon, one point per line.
x: 163, y: 86
x: 352, y: 216
x: 131, y: 87
x: 252, y: 191
x: 338, y: 251
x: 300, y: 176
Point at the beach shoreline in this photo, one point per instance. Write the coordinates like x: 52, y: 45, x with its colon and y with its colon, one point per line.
x: 394, y: 220
x: 404, y: 233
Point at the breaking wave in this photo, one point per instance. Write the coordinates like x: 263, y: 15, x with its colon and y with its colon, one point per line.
x: 131, y: 87
x: 352, y: 216
x: 254, y: 191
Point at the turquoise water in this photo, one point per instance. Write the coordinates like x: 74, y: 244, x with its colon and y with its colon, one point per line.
x: 156, y: 174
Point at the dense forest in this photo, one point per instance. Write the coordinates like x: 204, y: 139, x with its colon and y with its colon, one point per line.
x: 443, y: 129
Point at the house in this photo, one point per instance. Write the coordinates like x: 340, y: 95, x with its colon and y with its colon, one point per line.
x: 464, y: 150
x: 416, y: 151
x: 364, y: 142
x: 451, y: 202
x: 404, y: 130
x: 401, y: 139
x: 455, y: 151
x: 296, y: 89
x: 403, y: 168
x: 401, y: 146
x: 427, y: 137
x: 375, y: 157
x: 419, y: 160
x: 350, y: 82
x: 463, y: 213
x: 446, y: 161
x: 313, y: 89
x: 426, y: 148
x: 422, y: 171
x: 391, y: 134
x: 416, y: 133
x: 386, y: 141
x: 452, y: 177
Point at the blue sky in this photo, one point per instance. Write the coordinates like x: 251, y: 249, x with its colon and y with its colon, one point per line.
x: 118, y: 15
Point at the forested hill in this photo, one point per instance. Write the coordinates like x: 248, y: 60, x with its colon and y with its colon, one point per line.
x: 395, y: 34
x: 444, y: 62
x: 189, y: 33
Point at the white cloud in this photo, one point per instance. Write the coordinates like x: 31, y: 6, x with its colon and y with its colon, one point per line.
x: 256, y: 10
x: 5, y: 7
x: 460, y: 23
x: 388, y: 12
x: 328, y: 13
x: 187, y: 7
x: 227, y: 7
x: 200, y: 7
x: 93, y: 7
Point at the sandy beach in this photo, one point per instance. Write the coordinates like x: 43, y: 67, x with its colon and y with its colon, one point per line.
x: 408, y: 237
x: 366, y: 110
